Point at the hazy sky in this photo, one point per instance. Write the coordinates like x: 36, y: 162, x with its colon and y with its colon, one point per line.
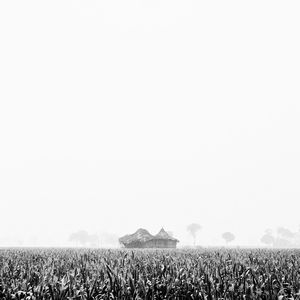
x: 116, y: 115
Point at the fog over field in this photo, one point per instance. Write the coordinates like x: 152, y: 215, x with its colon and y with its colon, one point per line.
x: 119, y: 115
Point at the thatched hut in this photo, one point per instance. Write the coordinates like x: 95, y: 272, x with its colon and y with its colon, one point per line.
x: 143, y: 239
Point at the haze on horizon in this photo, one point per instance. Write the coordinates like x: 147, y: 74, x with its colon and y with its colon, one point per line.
x: 130, y: 114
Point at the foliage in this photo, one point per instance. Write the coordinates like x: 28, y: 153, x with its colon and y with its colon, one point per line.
x: 228, y: 236
x: 193, y: 229
x: 149, y: 274
x: 267, y: 239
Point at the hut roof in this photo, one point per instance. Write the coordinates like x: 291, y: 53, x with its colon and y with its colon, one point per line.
x: 164, y: 236
x: 141, y: 235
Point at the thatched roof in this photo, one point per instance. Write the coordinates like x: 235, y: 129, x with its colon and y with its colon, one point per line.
x: 163, y: 235
x: 142, y: 236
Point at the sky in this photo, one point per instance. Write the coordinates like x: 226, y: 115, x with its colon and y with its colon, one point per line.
x: 116, y: 115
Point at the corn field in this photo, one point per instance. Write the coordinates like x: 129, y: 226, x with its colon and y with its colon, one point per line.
x: 149, y: 274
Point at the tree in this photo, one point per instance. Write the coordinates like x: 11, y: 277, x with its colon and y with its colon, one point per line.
x: 285, y: 233
x: 268, y: 238
x: 282, y: 243
x: 228, y: 237
x: 193, y: 229
x: 94, y: 240
x: 285, y: 238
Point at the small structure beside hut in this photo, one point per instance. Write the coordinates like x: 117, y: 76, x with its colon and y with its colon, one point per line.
x: 143, y: 239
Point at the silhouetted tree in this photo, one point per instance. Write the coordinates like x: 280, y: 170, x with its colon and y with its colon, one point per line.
x: 193, y: 229
x: 228, y: 237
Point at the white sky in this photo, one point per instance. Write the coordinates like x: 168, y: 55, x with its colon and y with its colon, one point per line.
x: 116, y: 115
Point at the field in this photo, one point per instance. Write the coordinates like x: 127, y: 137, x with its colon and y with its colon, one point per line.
x: 145, y: 274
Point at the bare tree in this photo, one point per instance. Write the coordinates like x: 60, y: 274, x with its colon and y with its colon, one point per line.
x: 193, y: 230
x: 228, y: 237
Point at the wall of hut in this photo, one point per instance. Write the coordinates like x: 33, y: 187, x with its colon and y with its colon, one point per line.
x: 155, y: 243
x: 135, y: 244
x: 160, y: 243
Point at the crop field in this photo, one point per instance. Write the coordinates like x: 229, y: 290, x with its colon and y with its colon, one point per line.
x: 149, y: 274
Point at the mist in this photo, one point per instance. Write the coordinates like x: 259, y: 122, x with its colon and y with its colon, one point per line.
x: 117, y: 116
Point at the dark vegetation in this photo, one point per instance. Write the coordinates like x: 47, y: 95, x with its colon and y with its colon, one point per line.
x: 149, y: 274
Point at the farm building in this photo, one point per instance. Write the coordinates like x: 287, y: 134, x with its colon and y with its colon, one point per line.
x: 143, y: 239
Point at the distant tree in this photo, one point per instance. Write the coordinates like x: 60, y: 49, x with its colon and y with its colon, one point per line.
x: 285, y: 233
x: 282, y: 243
x: 80, y: 238
x: 268, y: 238
x: 285, y: 238
x: 94, y: 240
x: 193, y: 230
x: 228, y: 237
